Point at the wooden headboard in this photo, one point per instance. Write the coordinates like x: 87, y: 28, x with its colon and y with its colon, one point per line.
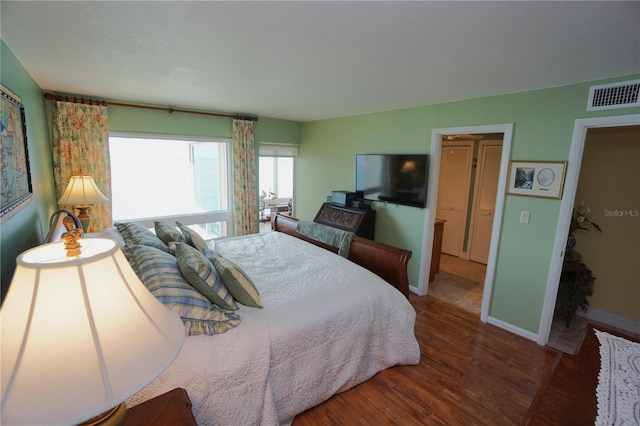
x: 388, y: 262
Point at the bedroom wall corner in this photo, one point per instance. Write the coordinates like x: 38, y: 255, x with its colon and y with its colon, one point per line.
x: 27, y: 228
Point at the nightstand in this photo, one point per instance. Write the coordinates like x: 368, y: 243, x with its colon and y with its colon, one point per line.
x: 170, y: 409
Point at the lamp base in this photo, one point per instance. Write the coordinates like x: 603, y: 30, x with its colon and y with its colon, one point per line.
x: 83, y: 215
x: 113, y: 417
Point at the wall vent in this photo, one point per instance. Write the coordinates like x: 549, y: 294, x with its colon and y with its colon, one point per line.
x: 616, y: 95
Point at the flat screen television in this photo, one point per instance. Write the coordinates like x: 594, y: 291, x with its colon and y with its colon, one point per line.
x: 393, y: 178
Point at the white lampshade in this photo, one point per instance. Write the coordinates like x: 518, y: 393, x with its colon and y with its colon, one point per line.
x: 80, y: 335
x: 82, y: 190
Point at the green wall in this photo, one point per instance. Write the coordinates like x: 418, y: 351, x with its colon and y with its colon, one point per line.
x: 29, y: 226
x: 136, y: 120
x: 543, y: 125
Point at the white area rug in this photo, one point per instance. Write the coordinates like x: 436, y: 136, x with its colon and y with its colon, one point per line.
x: 618, y: 388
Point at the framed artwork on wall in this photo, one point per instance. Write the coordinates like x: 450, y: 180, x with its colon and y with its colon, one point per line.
x: 15, y: 174
x: 536, y: 178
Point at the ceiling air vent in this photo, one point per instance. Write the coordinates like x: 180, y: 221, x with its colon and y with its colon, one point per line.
x: 616, y: 95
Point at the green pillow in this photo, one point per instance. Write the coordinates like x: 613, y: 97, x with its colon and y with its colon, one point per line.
x: 160, y: 273
x: 236, y: 280
x: 192, y: 237
x: 201, y: 274
x: 134, y: 234
x: 167, y: 233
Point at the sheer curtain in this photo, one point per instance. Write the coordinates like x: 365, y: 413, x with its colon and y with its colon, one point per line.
x: 81, y: 145
x: 245, y: 203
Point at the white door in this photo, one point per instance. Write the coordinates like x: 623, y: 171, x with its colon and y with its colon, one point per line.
x: 484, y: 200
x: 453, y: 193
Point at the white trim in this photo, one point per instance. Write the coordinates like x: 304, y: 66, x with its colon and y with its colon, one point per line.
x: 580, y: 128
x: 432, y: 198
x: 612, y: 320
x: 515, y: 330
x: 187, y: 219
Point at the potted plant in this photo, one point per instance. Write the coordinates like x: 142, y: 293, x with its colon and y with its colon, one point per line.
x: 580, y: 220
x: 573, y: 291
x: 576, y: 285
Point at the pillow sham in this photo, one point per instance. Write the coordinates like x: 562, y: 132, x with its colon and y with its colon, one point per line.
x: 167, y: 233
x: 235, y: 279
x: 192, y: 237
x: 134, y: 234
x: 160, y: 273
x: 201, y: 274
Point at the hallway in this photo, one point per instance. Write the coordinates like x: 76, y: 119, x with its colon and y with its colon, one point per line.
x: 459, y: 282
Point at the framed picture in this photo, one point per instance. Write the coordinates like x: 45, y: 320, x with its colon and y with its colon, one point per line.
x: 536, y: 178
x: 15, y: 174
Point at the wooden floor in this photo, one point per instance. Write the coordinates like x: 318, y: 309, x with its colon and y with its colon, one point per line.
x: 465, y: 268
x: 469, y: 373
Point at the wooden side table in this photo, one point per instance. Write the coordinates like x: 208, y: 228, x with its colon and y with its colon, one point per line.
x: 438, y: 232
x: 170, y: 409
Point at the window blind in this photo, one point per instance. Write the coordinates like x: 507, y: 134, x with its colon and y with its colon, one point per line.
x: 274, y: 150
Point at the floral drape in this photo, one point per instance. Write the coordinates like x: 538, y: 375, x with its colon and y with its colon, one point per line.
x: 245, y: 205
x: 81, y: 145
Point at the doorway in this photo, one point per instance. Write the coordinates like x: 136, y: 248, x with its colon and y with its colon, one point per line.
x: 580, y: 129
x: 438, y: 137
x: 467, y: 192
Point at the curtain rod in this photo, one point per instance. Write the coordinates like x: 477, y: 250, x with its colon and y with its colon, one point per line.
x: 80, y: 100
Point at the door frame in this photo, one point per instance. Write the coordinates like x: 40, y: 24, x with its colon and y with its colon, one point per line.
x: 432, y: 198
x: 580, y: 128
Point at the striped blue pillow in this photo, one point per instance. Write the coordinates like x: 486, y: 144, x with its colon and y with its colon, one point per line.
x: 168, y: 233
x: 201, y: 274
x: 235, y: 279
x: 134, y: 234
x: 160, y: 273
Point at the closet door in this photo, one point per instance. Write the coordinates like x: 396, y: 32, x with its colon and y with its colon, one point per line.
x: 484, y: 201
x: 453, y: 193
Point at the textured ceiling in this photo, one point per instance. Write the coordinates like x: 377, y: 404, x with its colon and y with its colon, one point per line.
x: 314, y: 60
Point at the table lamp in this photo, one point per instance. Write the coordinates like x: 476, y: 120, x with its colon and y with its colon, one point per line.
x: 80, y: 335
x: 82, y: 191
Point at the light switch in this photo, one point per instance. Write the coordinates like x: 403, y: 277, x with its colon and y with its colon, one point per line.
x: 524, y: 216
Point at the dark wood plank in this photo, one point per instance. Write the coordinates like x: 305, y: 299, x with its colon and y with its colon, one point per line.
x: 469, y: 373
x: 570, y: 393
x: 170, y: 409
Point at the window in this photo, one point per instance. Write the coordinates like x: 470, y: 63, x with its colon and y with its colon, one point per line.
x: 277, y: 170
x: 185, y: 180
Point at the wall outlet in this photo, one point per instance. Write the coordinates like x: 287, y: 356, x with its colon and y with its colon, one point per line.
x: 524, y: 216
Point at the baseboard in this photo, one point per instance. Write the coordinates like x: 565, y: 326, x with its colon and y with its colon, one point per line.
x: 515, y: 330
x: 612, y: 320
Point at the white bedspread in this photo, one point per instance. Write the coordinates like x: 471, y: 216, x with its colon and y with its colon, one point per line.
x: 327, y: 325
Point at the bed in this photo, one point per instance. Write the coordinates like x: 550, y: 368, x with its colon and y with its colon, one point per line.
x: 327, y: 323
